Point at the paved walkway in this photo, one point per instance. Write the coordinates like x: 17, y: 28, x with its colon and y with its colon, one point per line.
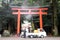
x: 18, y: 38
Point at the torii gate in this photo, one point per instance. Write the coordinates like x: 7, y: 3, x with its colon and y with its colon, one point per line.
x: 40, y: 13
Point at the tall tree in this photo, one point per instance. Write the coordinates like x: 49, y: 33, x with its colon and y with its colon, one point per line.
x: 6, y: 13
x: 55, y: 11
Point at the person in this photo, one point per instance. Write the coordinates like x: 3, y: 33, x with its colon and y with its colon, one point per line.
x: 25, y: 27
x: 24, y: 33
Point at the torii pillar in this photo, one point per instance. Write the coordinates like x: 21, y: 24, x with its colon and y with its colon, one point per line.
x: 40, y: 16
x: 18, y: 23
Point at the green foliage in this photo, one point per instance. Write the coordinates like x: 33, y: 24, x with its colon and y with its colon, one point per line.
x: 30, y: 2
x: 47, y: 20
x: 6, y: 17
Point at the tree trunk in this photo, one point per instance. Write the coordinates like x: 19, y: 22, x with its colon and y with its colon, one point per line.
x: 54, y: 4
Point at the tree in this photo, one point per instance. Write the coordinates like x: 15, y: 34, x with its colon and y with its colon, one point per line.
x: 55, y: 5
x: 6, y: 17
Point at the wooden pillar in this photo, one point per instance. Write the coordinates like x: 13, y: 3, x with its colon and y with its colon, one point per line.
x: 40, y: 16
x: 41, y: 22
x: 18, y: 23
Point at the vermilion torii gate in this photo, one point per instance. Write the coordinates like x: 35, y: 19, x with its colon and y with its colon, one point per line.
x: 30, y: 11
